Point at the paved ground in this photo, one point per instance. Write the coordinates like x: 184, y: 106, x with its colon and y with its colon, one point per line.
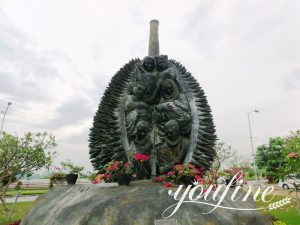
x: 22, y: 199
x: 277, y: 190
x: 262, y: 183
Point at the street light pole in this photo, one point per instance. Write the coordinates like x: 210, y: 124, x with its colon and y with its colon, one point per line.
x: 251, y: 140
x: 4, y: 114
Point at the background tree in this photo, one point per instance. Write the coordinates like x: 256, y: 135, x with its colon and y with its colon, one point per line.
x: 239, y: 163
x: 291, y: 160
x: 262, y: 156
x: 270, y: 157
x: 22, y: 156
x: 239, y: 160
x: 223, y: 153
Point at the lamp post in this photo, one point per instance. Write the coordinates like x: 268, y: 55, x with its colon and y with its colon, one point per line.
x: 251, y: 140
x: 4, y: 114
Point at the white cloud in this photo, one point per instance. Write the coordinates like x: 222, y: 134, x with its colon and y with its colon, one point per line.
x: 72, y: 130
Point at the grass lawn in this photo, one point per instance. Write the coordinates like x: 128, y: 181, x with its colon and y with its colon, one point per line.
x: 21, y: 208
x: 11, y: 193
x: 287, y: 214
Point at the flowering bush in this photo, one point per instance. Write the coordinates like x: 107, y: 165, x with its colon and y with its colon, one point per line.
x: 291, y: 153
x: 188, y: 169
x: 291, y: 164
x: 140, y: 158
x: 179, y: 171
x: 141, y: 166
x: 235, y: 170
x: 168, y: 184
x: 112, y: 169
x: 99, y: 178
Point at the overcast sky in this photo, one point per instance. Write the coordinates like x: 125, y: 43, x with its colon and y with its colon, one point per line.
x: 58, y: 56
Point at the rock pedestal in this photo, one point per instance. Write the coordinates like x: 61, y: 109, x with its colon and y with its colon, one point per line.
x: 139, y: 204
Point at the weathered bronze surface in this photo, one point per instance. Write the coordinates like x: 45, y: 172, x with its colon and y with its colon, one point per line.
x: 153, y: 106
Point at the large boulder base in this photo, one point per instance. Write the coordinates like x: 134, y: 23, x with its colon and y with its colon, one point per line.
x: 141, y: 203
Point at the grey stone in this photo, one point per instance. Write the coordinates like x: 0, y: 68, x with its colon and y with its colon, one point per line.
x: 165, y: 222
x: 139, y: 204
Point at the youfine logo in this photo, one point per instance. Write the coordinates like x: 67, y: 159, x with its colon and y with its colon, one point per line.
x: 214, y: 197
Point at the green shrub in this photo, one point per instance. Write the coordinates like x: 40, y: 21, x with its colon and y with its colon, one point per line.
x: 8, y: 179
x: 18, y: 185
x: 57, y: 178
x: 71, y: 168
x: 92, y: 176
x: 251, y: 172
x: 278, y: 222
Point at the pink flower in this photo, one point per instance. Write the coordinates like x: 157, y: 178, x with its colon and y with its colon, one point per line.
x: 168, y: 184
x: 178, y: 167
x: 141, y: 157
x: 98, y: 178
x: 127, y: 164
x: 107, y: 176
x: 197, y: 178
x: 293, y: 155
x: 197, y: 171
x: 112, y: 167
x: 94, y: 181
x: 170, y: 173
x: 159, y: 179
x: 191, y: 166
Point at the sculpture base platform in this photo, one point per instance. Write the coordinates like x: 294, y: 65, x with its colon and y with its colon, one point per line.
x: 142, y: 203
